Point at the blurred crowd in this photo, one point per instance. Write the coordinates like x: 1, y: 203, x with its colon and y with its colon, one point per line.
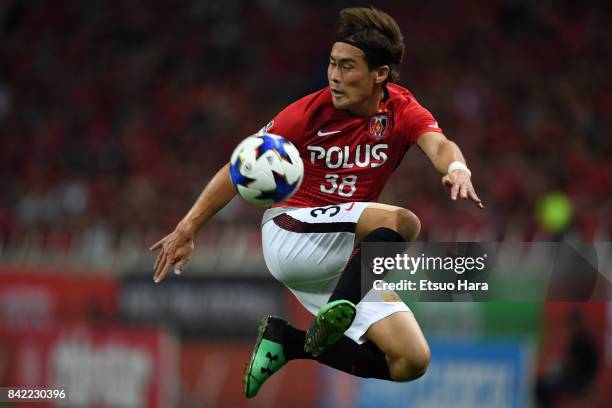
x: 114, y: 115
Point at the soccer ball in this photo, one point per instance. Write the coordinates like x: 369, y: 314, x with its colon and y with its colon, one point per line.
x: 266, y: 169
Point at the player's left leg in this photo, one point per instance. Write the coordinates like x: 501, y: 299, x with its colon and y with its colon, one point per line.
x: 380, y: 345
x: 400, y: 338
x: 307, y: 249
x: 268, y: 355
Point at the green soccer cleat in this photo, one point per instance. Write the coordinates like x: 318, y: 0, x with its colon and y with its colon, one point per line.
x: 267, y: 357
x: 332, y: 321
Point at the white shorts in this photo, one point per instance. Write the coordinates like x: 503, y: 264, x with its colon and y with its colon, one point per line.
x: 307, y: 249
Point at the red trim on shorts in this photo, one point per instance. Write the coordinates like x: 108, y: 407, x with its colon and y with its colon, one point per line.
x: 289, y: 223
x: 355, y: 252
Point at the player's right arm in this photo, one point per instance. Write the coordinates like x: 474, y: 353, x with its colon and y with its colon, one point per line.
x: 177, y: 247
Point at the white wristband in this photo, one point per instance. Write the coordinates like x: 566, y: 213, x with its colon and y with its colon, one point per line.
x: 457, y: 165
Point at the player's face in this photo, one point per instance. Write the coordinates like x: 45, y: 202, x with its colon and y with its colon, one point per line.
x: 352, y: 84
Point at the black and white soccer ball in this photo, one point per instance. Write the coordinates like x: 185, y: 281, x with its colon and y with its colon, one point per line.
x: 266, y: 169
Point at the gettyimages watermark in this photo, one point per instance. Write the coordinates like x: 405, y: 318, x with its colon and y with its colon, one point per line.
x: 494, y: 271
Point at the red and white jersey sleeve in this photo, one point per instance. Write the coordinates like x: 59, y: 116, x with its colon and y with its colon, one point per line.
x: 290, y: 123
x: 418, y: 120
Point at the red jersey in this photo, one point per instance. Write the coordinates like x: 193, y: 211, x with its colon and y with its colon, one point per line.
x: 349, y: 158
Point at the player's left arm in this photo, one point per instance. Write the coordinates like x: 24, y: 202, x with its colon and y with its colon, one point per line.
x: 448, y: 160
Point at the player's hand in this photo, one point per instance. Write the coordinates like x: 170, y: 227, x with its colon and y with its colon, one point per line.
x: 460, y: 185
x: 176, y: 249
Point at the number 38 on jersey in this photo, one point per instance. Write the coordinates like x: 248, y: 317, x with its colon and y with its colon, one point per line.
x: 335, y: 158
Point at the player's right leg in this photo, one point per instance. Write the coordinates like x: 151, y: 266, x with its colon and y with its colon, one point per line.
x: 376, y: 223
x: 318, y: 241
x: 306, y: 250
x: 329, y: 325
x: 397, y: 219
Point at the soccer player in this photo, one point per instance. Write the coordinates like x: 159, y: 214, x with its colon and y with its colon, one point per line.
x: 351, y: 135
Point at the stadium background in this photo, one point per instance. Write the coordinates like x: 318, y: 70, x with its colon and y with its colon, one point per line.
x: 113, y: 116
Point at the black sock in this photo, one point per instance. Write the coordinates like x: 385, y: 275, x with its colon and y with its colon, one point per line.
x: 293, y: 343
x: 349, y: 285
x: 365, y: 360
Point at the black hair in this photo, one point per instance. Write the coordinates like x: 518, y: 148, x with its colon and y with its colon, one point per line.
x: 374, y: 32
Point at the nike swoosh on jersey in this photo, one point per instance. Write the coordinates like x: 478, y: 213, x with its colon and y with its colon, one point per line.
x: 320, y: 133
